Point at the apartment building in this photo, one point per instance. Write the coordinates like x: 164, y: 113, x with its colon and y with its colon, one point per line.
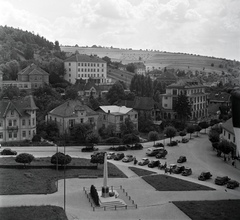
x: 196, y: 94
x: 84, y: 67
x: 116, y: 115
x: 17, y: 119
x: 70, y: 113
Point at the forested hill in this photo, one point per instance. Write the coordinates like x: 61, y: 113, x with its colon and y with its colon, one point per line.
x: 20, y: 48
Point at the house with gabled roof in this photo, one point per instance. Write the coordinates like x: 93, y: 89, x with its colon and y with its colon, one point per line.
x: 17, y: 119
x: 115, y: 115
x: 70, y: 113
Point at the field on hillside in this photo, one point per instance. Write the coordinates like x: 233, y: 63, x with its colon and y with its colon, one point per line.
x: 157, y: 60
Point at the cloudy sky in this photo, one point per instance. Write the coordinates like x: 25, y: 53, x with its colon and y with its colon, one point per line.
x: 205, y: 27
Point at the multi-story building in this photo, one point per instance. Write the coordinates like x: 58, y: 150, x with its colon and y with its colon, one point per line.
x: 196, y: 94
x: 84, y: 67
x: 116, y: 115
x: 17, y: 119
x: 228, y: 132
x: 70, y: 113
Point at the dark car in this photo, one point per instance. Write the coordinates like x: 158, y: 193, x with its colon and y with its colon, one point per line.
x: 182, y: 159
x: 178, y: 169
x: 158, y: 145
x: 162, y: 154
x: 110, y: 155
x: 154, y: 163
x: 136, y: 146
x: 204, y: 176
x: 128, y: 158
x: 144, y: 162
x: 231, y: 184
x: 153, y: 151
x: 8, y: 151
x: 119, y: 148
x: 119, y: 156
x: 185, y: 140
x: 89, y: 149
x: 187, y: 171
x: 172, y: 143
x: 221, y: 180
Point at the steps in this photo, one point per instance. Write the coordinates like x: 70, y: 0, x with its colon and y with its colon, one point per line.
x: 112, y: 204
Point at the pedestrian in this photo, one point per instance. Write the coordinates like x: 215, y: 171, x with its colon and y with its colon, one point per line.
x: 135, y: 161
x: 165, y: 170
x: 170, y: 170
x: 165, y: 165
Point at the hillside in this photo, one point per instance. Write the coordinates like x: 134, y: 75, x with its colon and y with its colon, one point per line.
x: 160, y: 60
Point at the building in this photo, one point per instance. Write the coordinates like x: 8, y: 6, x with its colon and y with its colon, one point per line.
x: 167, y: 78
x: 116, y: 115
x: 219, y: 97
x: 17, y: 119
x: 228, y: 132
x: 84, y: 67
x: 35, y: 75
x: 70, y: 113
x: 196, y: 94
x: 140, y: 68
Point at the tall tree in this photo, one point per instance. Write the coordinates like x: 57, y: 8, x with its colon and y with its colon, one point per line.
x: 183, y: 107
x: 115, y: 93
x: 170, y: 132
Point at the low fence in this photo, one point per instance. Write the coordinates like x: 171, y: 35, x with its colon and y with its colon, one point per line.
x: 115, y: 207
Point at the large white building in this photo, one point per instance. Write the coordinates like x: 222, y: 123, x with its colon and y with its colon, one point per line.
x: 84, y: 67
x: 196, y: 94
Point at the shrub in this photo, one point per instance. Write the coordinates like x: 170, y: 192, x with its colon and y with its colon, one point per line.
x: 61, y: 158
x: 113, y: 140
x: 94, y: 195
x: 153, y: 136
x: 130, y: 139
x: 36, y: 138
x: 24, y: 158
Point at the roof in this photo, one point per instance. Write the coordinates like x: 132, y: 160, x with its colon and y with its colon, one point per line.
x: 219, y: 96
x: 70, y: 108
x: 115, y: 110
x: 187, y: 83
x: 32, y: 70
x: 228, y: 125
x: 21, y: 105
x: 167, y: 75
x: 84, y: 58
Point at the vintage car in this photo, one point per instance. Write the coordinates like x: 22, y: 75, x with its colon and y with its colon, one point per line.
x: 182, y: 159
x: 143, y: 162
x: 154, y: 163
x: 221, y: 180
x: 110, y: 155
x: 128, y: 158
x: 89, y: 149
x: 187, y: 171
x: 204, y: 176
x: 185, y: 140
x: 119, y: 156
x: 153, y: 151
x: 8, y: 151
x: 231, y: 184
x: 162, y: 154
x: 178, y: 169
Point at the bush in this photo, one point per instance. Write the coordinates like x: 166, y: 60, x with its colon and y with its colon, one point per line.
x: 94, y: 195
x: 113, y: 140
x: 130, y: 139
x: 60, y: 158
x: 36, y: 138
x: 24, y: 158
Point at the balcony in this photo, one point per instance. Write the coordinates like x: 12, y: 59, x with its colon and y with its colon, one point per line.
x: 12, y: 128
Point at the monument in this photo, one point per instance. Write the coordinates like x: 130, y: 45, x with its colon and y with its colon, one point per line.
x: 105, y: 188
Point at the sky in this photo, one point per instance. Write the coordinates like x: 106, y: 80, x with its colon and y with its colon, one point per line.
x: 204, y: 27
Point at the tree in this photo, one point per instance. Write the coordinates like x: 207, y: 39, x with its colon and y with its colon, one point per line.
x: 130, y: 67
x: 127, y: 127
x: 24, y: 158
x: 197, y: 128
x: 29, y: 52
x: 97, y: 158
x: 225, y: 147
x: 107, y: 59
x: 170, y: 132
x: 79, y: 132
x: 93, y: 138
x: 214, y: 136
x: 204, y: 125
x: 115, y: 93
x: 56, y: 45
x: 130, y: 139
x: 10, y: 92
x: 183, y: 107
x: 61, y: 158
x: 153, y: 136
x: 71, y: 93
x: 190, y: 129
x: 182, y: 134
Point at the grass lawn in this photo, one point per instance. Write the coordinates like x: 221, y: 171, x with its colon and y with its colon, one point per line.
x: 168, y: 183
x: 208, y: 210
x: 141, y: 172
x: 33, y: 212
x: 42, y: 181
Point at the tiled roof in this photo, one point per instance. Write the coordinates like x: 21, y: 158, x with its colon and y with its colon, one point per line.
x: 228, y: 125
x: 186, y: 83
x: 84, y: 58
x: 70, y: 108
x: 116, y: 110
x: 219, y: 96
x: 20, y: 105
x: 31, y: 70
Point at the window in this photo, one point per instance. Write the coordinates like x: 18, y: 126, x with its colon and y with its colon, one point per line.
x: 10, y: 123
x: 1, y: 124
x: 233, y: 139
x: 10, y: 134
x: 12, y: 112
x: 135, y: 115
x: 102, y: 65
x: 15, y: 134
x: 79, y: 70
x: 104, y: 117
x: 85, y: 64
x: 69, y: 75
x: 165, y: 105
x: 1, y: 135
x: 165, y: 97
x: 88, y: 64
x: 174, y: 92
x: 71, y: 122
x: 14, y: 122
x: 81, y: 120
x: 23, y: 122
x: 69, y: 69
x: 121, y: 118
x: 78, y: 64
x: 33, y: 121
x: 24, y: 134
x: 69, y: 64
x: 29, y: 133
x: 79, y: 75
x: 29, y: 122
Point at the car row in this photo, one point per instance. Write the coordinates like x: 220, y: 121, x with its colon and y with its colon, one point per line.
x: 223, y: 180
x: 136, y: 146
x: 8, y: 151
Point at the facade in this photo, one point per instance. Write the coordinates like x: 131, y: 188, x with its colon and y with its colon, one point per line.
x: 84, y: 67
x: 17, y: 119
x: 35, y: 75
x: 116, y: 115
x: 228, y: 132
x: 196, y: 94
x: 70, y: 113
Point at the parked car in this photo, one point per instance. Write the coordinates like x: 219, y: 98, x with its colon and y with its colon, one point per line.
x: 8, y: 151
x: 119, y: 156
x: 119, y: 148
x: 110, y: 155
x: 178, y: 169
x: 143, y: 162
x: 153, y: 151
x: 162, y: 154
x: 172, y: 143
x: 185, y: 140
x: 204, y: 176
x: 154, y: 163
x: 182, y: 159
x: 187, y: 171
x: 89, y: 148
x: 136, y: 146
x: 221, y: 180
x: 231, y: 184
x: 128, y: 158
x: 172, y: 166
x: 158, y: 145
